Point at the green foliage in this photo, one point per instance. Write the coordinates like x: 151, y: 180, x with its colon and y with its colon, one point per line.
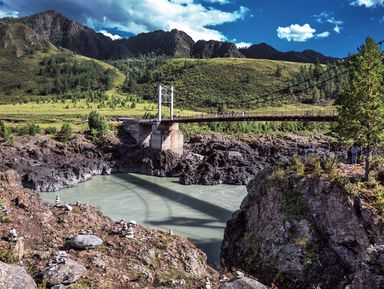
x: 73, y: 75
x: 5, y: 132
x: 279, y: 71
x: 133, y: 105
x: 7, y: 256
x: 313, y: 165
x: 297, y: 166
x: 277, y: 175
x: 316, y: 83
x: 50, y: 130
x: 31, y: 129
x: 65, y: 133
x: 209, y: 82
x: 97, y: 123
x: 361, y: 106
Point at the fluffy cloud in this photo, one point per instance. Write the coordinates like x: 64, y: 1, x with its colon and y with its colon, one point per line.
x: 367, y: 3
x: 218, y: 1
x: 136, y: 16
x: 296, y: 33
x: 110, y: 35
x: 5, y: 12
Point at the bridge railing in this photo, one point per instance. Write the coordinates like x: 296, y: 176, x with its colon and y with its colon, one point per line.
x: 266, y: 113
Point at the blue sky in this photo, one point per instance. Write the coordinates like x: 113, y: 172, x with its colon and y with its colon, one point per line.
x: 333, y: 27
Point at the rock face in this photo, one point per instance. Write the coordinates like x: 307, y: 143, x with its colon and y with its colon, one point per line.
x: 47, y: 165
x: 174, y: 43
x: 300, y: 233
x: 65, y: 273
x: 20, y: 40
x: 15, y: 277
x: 213, y: 49
x: 86, y: 242
x: 66, y: 33
x: 223, y: 159
x: 243, y: 283
x: 265, y: 51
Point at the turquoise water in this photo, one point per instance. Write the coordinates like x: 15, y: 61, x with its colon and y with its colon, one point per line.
x: 198, y: 212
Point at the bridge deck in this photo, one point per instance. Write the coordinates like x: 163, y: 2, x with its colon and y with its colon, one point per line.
x: 313, y: 116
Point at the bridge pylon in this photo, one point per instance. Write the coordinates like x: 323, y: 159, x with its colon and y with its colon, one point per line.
x: 165, y: 96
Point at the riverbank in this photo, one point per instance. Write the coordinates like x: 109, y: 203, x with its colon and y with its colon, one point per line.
x: 48, y: 165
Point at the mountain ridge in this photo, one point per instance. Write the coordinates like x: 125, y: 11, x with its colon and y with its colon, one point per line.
x: 64, y: 32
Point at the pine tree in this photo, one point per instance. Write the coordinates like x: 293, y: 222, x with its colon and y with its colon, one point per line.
x: 361, y: 105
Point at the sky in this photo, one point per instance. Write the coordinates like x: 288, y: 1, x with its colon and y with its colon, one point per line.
x: 332, y: 27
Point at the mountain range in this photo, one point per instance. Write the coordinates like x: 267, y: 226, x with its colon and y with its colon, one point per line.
x: 63, y: 32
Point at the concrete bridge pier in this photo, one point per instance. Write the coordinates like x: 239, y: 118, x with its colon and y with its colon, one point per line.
x: 167, y: 137
x: 158, y: 136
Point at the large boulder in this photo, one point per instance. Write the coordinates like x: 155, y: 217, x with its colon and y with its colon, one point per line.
x: 304, y: 232
x: 86, y: 242
x: 15, y: 277
x: 243, y: 283
x: 66, y: 272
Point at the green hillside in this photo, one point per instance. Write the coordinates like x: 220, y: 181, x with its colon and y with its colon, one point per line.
x: 211, y: 82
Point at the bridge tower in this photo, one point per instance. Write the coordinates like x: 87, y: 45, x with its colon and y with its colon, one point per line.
x: 165, y: 96
x: 166, y: 136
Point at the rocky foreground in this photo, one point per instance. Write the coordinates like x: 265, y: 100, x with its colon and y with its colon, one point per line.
x: 47, y: 165
x: 308, y: 231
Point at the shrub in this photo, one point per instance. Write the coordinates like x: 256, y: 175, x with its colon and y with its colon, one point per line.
x: 314, y: 165
x: 32, y: 129
x: 98, y: 123
x: 50, y: 130
x: 5, y: 131
x: 65, y: 133
x: 298, y: 166
x: 133, y: 105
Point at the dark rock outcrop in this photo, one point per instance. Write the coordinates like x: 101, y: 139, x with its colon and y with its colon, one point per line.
x: 265, y: 51
x: 301, y: 233
x: 66, y: 33
x: 214, y: 49
x: 174, y: 43
x: 20, y: 40
x: 47, y: 165
x: 243, y: 283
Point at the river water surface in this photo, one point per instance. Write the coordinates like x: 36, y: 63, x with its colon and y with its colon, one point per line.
x: 198, y: 212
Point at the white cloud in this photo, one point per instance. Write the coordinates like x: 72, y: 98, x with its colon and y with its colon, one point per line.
x: 136, y: 16
x: 8, y: 13
x: 367, y: 3
x: 218, y: 1
x: 110, y: 35
x: 327, y: 17
x: 243, y: 44
x: 324, y: 34
x: 296, y: 33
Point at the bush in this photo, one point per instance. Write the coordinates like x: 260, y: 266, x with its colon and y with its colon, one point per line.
x: 5, y: 131
x: 298, y: 166
x: 50, y: 130
x: 98, y: 123
x: 65, y: 133
x: 32, y: 129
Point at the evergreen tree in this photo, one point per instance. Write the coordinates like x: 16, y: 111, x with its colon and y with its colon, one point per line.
x: 98, y: 123
x: 361, y: 106
x: 65, y: 133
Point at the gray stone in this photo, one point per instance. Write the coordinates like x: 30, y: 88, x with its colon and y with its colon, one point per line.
x: 243, y: 283
x: 60, y: 286
x: 86, y: 242
x: 15, y: 277
x: 66, y: 272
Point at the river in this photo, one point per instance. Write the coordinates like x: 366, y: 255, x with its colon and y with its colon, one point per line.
x: 198, y: 212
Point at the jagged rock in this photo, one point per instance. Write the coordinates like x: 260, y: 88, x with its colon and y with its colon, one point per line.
x: 243, y: 283
x: 370, y: 273
x: 300, y: 232
x: 15, y: 277
x: 86, y: 242
x: 66, y: 272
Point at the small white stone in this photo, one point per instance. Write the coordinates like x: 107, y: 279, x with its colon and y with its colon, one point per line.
x: 239, y: 274
x: 171, y: 232
x: 68, y: 208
